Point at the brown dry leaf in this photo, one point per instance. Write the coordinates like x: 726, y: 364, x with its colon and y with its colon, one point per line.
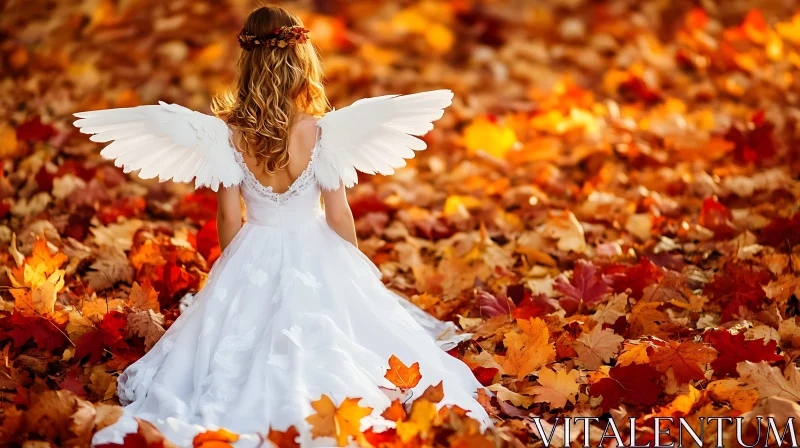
x: 516, y: 398
x: 110, y: 267
x: 597, y: 347
x: 146, y: 324
x: 768, y: 380
x: 61, y: 416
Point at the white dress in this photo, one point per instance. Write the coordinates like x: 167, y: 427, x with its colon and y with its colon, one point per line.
x: 290, y: 311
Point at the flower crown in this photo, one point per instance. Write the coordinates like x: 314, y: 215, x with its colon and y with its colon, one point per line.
x: 282, y: 37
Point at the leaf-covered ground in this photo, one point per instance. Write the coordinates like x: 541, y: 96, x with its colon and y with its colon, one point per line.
x: 610, y: 206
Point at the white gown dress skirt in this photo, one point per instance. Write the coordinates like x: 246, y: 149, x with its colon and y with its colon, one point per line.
x: 290, y: 311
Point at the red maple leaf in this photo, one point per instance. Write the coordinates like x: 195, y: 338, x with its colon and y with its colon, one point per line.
x: 756, y: 143
x: 717, y: 218
x: 128, y: 207
x: 585, y: 286
x: 636, y: 277
x: 534, y: 306
x: 108, y: 335
x: 782, y: 231
x: 208, y: 241
x: 71, y: 382
x: 21, y: 329
x: 485, y: 375
x: 637, y: 383
x: 733, y: 349
x: 34, y: 130
x: 738, y: 285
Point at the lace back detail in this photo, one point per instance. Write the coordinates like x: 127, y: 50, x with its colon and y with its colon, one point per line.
x: 305, y: 178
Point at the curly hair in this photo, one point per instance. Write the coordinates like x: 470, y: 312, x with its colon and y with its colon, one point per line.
x: 273, y: 86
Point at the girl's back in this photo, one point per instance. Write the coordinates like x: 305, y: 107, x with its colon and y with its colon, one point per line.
x: 301, y: 140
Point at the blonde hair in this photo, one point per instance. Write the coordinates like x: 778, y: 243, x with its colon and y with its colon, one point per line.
x: 273, y: 85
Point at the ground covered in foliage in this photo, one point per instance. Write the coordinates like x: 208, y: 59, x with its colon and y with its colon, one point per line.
x: 610, y: 207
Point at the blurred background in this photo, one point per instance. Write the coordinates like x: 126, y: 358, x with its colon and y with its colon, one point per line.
x: 657, y: 139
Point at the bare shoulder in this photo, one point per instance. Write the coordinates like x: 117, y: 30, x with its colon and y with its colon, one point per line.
x: 304, y: 134
x: 306, y: 129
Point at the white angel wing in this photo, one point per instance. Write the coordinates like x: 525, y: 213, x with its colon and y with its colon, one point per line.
x: 375, y: 135
x: 165, y: 140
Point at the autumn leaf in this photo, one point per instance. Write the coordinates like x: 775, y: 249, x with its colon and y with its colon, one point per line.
x: 769, y: 381
x: 492, y: 306
x: 486, y: 135
x: 738, y: 285
x: 401, y: 375
x: 110, y: 334
x: 635, y: 383
x: 586, y: 286
x: 284, y: 439
x: 688, y: 360
x: 526, y: 351
x: 420, y: 421
x: 597, y: 347
x: 733, y: 349
x: 556, y: 388
x: 143, y: 297
x: 145, y: 324
x: 340, y: 422
x: 395, y: 412
x: 214, y: 439
x: 635, y: 277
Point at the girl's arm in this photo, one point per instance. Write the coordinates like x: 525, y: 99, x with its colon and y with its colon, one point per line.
x: 338, y: 214
x: 229, y: 214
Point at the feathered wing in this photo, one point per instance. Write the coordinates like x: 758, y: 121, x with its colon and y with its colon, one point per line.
x: 375, y: 135
x: 165, y: 140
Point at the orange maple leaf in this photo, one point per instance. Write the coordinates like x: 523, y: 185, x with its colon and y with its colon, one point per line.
x: 687, y: 360
x: 338, y: 422
x: 219, y: 438
x: 401, y: 375
x: 527, y: 351
x: 284, y: 439
x: 395, y: 412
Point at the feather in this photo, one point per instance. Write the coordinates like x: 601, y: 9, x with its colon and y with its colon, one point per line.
x: 167, y: 141
x: 375, y: 135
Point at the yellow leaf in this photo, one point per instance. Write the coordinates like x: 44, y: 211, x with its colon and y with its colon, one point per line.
x: 456, y: 204
x: 44, y: 295
x: 439, y: 38
x: 340, y: 423
x: 484, y: 135
x: 423, y: 414
x: 556, y: 388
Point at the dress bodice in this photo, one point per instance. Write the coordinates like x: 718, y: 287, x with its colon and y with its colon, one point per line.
x: 298, y: 205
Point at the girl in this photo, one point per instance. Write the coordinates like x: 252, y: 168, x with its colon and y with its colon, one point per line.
x: 291, y: 310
